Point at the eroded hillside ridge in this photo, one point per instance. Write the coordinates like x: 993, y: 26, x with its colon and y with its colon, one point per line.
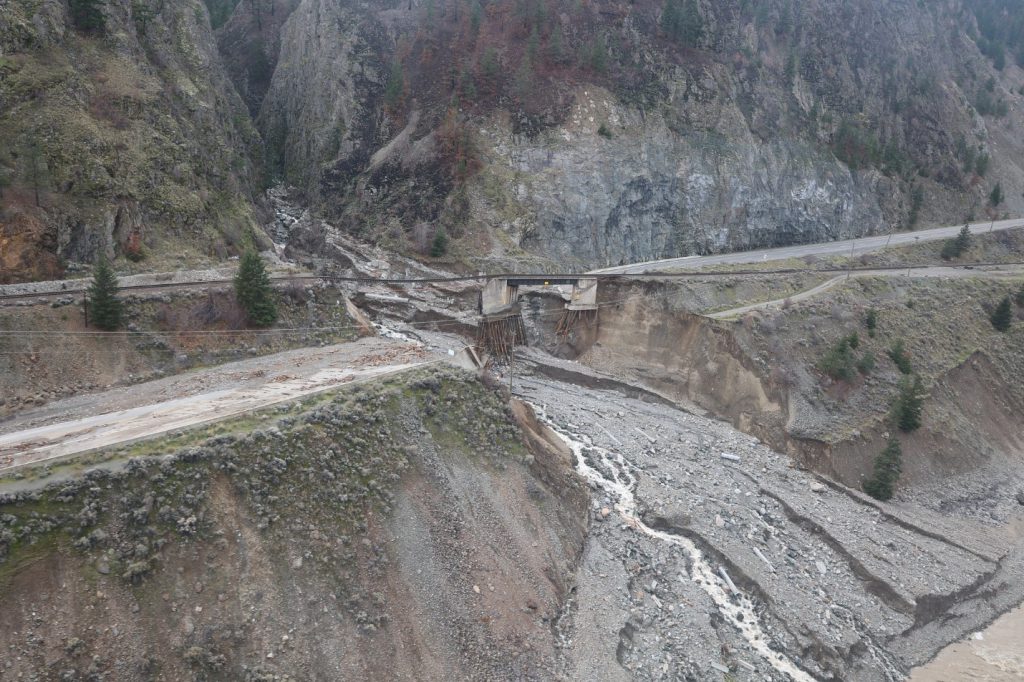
x: 592, y: 134
x: 396, y: 530
x: 122, y: 136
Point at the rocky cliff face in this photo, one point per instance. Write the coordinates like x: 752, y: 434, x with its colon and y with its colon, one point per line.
x: 249, y: 40
x: 321, y: 114
x: 121, y: 136
x: 585, y: 133
x: 647, y: 192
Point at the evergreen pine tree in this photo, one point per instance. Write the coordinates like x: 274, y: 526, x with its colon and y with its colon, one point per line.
x: 394, y: 90
x: 556, y: 47
x: 866, y: 364
x: 87, y: 15
x: 996, y: 197
x: 963, y: 240
x: 1002, y: 316
x: 105, y: 309
x: 475, y: 16
x: 490, y: 69
x: 693, y: 24
x: 671, y: 18
x: 948, y: 250
x: 681, y: 21
x: 906, y: 409
x: 839, y: 363
x: 533, y: 44
x: 954, y: 248
x: 916, y: 202
x: 871, y: 321
x: 524, y: 78
x: 1019, y: 299
x: 887, y: 469
x: 597, y: 55
x: 253, y: 292
x: 899, y: 356
x: 439, y: 246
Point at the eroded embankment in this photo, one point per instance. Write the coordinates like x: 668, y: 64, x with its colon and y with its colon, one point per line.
x: 646, y: 333
x: 761, y: 373
x: 711, y: 555
x: 400, y: 530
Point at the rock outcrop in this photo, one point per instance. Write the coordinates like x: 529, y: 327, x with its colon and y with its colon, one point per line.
x: 582, y: 133
x: 121, y: 134
x: 603, y: 141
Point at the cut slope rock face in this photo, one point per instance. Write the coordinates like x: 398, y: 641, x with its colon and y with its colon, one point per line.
x: 583, y: 133
x: 580, y: 133
x: 401, y: 531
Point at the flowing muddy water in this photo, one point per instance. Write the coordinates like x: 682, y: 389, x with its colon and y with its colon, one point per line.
x: 612, y: 473
x: 994, y: 655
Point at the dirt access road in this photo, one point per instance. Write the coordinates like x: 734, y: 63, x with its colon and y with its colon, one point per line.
x: 986, y: 272
x: 146, y: 410
x: 845, y: 247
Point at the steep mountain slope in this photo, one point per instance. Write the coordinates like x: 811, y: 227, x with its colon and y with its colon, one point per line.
x: 597, y: 132
x: 582, y: 132
x: 121, y: 135
x: 249, y: 38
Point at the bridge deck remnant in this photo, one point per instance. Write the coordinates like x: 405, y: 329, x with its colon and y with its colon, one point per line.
x: 502, y: 328
x: 499, y: 295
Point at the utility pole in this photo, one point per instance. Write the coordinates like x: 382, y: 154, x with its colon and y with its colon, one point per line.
x: 511, y: 365
x: 849, y: 265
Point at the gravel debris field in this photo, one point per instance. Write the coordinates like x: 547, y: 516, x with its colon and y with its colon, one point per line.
x: 711, y: 555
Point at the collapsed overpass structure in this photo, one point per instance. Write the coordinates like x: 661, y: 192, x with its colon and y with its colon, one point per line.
x: 502, y: 328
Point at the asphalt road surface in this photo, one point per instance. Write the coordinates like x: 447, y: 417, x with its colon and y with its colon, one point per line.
x: 845, y: 247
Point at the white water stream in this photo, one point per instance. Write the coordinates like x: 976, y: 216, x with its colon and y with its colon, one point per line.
x: 389, y: 333
x: 612, y: 473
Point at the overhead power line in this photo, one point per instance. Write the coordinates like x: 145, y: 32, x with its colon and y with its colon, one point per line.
x: 48, y: 335
x: 682, y: 274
